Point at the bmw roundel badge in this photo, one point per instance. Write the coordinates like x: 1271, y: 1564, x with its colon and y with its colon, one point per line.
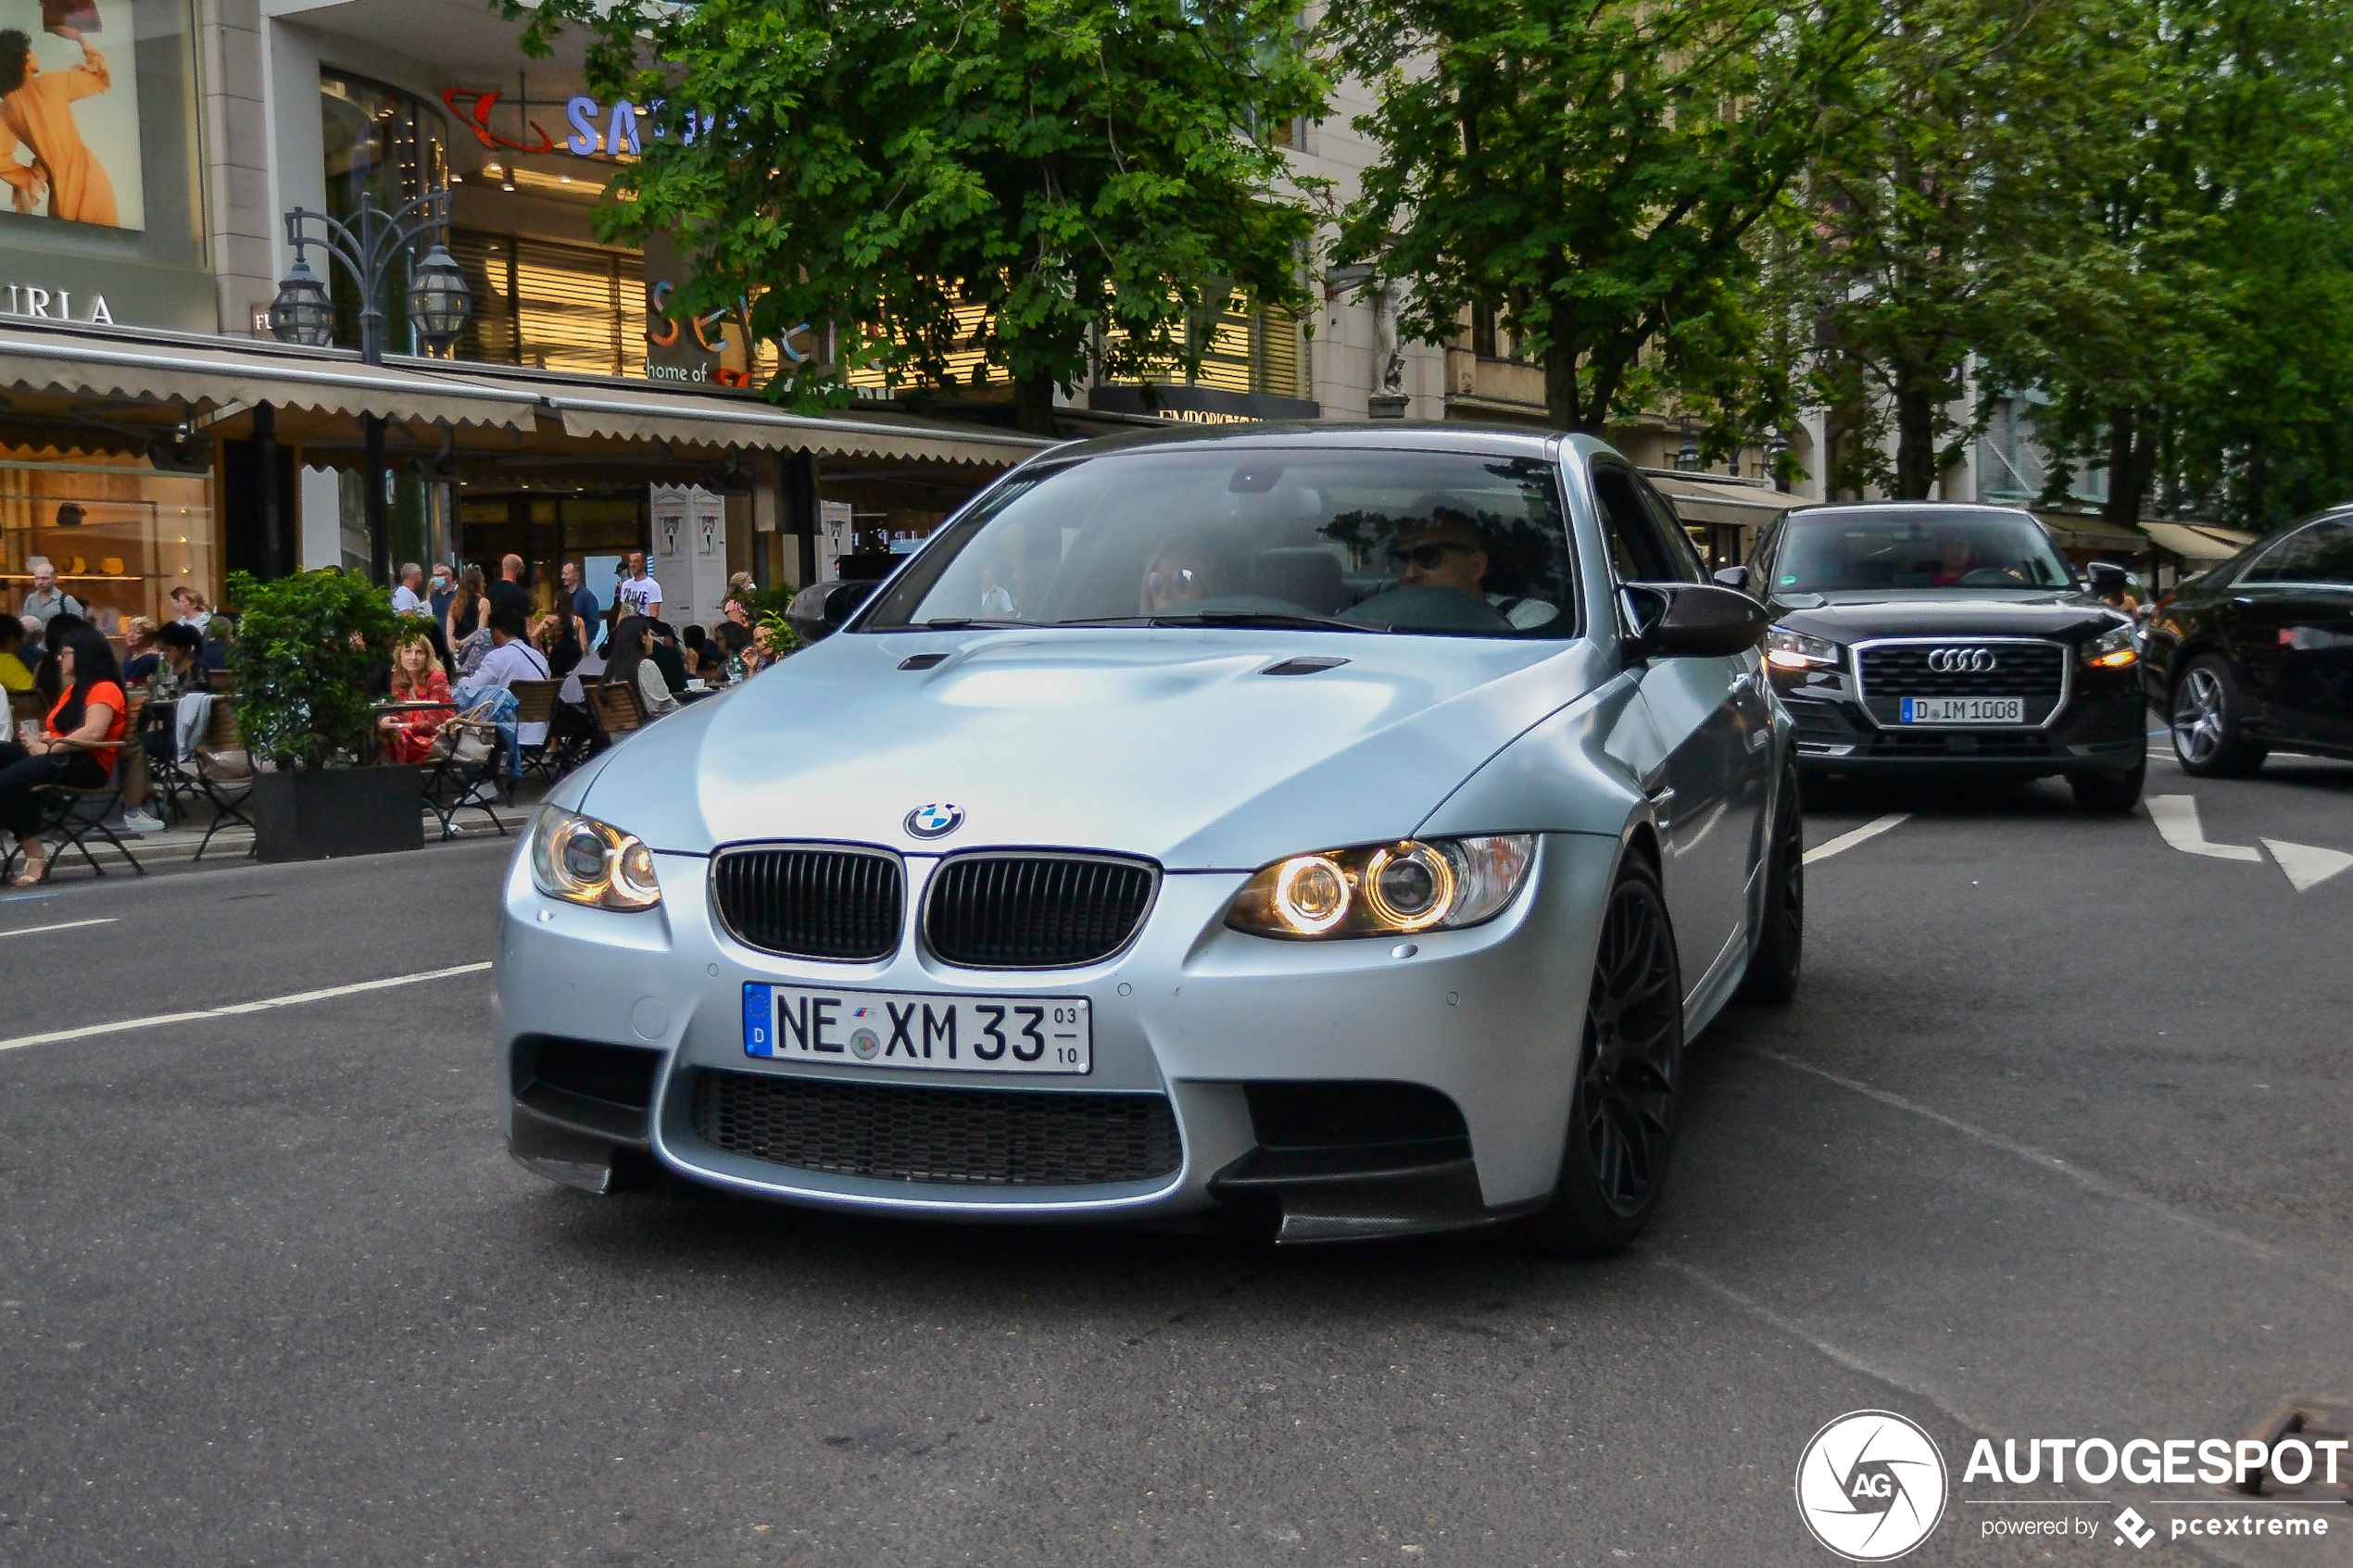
x: 936, y: 820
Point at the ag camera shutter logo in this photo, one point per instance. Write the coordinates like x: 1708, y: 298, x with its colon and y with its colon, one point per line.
x: 1870, y: 1486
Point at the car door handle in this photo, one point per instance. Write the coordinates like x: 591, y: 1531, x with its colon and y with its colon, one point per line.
x: 1746, y: 679
x: 2244, y: 601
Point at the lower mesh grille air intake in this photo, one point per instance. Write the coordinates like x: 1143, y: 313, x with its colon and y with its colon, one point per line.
x: 1035, y: 911
x: 978, y: 1137
x: 811, y: 901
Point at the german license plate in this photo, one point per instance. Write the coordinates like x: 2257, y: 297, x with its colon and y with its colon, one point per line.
x: 1965, y: 710
x: 910, y: 1029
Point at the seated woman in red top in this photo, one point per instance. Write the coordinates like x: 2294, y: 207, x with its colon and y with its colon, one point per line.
x: 77, y: 745
x: 416, y: 677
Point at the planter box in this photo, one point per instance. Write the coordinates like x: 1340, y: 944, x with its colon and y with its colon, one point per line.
x: 337, y: 811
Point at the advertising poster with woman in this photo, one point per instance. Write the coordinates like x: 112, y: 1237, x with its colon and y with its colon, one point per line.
x: 69, y: 111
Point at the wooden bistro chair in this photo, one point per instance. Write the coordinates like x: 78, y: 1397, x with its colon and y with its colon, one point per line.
x: 448, y: 786
x: 224, y: 773
x: 535, y: 704
x: 617, y: 709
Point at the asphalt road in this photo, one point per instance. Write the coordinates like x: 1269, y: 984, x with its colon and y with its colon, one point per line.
x: 2051, y: 1145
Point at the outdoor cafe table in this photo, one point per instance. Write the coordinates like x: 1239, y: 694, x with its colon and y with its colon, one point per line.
x: 381, y: 709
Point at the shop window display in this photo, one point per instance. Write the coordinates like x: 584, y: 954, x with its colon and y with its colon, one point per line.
x: 121, y: 534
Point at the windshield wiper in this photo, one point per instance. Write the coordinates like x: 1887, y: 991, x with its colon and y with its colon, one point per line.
x: 949, y: 623
x: 1268, y: 618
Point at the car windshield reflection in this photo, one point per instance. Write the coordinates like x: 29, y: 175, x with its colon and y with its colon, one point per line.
x: 1431, y: 543
x: 1862, y: 550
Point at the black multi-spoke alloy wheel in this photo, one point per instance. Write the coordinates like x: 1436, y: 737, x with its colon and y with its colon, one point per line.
x: 1780, y: 952
x: 1629, y: 1075
x: 2209, y: 721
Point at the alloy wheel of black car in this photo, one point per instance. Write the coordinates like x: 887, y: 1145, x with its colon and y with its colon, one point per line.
x: 2206, y: 724
x: 1776, y: 960
x: 1629, y: 1075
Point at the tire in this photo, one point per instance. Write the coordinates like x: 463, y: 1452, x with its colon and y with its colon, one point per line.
x: 1630, y: 1080
x: 2209, y: 721
x: 1779, y: 953
x: 2109, y: 793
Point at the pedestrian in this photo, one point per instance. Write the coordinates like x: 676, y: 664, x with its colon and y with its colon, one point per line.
x: 189, y: 608
x: 509, y: 593
x: 20, y: 657
x: 466, y: 608
x: 47, y: 598
x: 139, y: 652
x: 407, y: 597
x: 629, y: 663
x: 77, y: 745
x: 638, y: 594
x: 444, y: 588
x: 585, y: 608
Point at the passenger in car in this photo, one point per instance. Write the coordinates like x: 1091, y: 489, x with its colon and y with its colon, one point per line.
x: 1439, y: 546
x: 1176, y: 576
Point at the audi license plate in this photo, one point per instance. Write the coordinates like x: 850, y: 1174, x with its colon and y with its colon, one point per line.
x: 915, y: 1030
x: 1965, y: 710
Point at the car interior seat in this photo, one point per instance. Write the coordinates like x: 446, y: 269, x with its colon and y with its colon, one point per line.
x: 1307, y: 577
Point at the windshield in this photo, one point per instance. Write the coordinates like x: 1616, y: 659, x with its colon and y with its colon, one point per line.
x: 1349, y: 540
x: 1829, y: 551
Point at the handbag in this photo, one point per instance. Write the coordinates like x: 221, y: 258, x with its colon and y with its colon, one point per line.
x: 465, y: 742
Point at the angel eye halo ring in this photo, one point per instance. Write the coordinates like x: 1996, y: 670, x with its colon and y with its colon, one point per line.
x: 1384, y: 889
x: 581, y: 861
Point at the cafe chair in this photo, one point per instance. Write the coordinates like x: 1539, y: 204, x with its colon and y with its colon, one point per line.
x: 224, y: 773
x: 453, y: 782
x: 535, y: 703
x: 617, y: 709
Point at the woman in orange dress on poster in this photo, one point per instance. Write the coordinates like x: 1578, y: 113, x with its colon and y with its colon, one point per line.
x: 36, y: 108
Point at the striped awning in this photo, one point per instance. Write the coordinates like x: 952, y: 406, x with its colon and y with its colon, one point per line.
x: 2195, y: 541
x: 704, y: 419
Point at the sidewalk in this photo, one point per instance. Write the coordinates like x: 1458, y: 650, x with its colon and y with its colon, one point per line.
x: 233, y: 845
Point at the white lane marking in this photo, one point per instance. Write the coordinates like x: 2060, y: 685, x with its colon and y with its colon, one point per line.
x: 2307, y: 865
x: 296, y: 999
x: 1848, y: 840
x: 2107, y: 1188
x: 61, y: 925
x: 2176, y: 820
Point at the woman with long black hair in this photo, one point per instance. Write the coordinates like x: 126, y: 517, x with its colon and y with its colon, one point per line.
x: 625, y: 659
x: 77, y: 745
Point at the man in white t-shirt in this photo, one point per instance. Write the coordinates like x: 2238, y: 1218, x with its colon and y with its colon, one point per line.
x: 406, y: 599
x: 638, y: 594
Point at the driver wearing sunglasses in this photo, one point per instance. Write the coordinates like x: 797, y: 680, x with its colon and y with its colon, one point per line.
x: 1440, y: 549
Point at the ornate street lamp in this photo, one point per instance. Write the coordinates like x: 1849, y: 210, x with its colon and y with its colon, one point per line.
x: 302, y: 312
x: 438, y: 304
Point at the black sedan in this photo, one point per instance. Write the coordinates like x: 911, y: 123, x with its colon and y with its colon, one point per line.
x: 2258, y: 652
x: 1913, y: 638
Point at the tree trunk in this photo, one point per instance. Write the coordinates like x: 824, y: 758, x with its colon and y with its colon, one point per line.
x: 2128, y: 457
x: 1034, y: 403
x: 1561, y: 405
x: 1915, y: 435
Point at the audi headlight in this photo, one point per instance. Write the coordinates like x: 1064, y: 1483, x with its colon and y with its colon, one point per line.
x: 1785, y: 649
x: 1385, y: 889
x: 581, y: 861
x: 2113, y: 650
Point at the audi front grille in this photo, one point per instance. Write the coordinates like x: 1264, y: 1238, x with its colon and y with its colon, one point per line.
x: 1892, y: 671
x: 811, y: 901
x: 1036, y: 910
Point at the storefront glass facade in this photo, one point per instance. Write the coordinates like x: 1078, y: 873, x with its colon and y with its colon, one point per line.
x: 121, y: 534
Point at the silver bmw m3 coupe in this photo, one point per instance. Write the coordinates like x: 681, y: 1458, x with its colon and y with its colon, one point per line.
x: 1343, y: 830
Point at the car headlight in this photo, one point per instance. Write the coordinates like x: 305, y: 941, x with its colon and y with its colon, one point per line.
x: 1785, y: 649
x: 581, y: 861
x: 1385, y: 889
x: 2113, y: 650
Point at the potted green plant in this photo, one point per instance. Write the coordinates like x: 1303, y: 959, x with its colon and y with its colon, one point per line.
x: 308, y: 648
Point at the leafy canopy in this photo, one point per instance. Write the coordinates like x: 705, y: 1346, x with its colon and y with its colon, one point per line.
x: 1592, y: 172
x: 1045, y: 182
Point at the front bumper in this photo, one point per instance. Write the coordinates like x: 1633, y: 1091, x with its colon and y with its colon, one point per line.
x: 2101, y: 728
x: 1484, y: 1021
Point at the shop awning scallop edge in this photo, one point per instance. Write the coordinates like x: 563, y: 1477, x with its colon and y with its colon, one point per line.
x: 742, y: 422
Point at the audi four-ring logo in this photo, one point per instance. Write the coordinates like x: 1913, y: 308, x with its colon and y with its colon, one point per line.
x: 1946, y: 661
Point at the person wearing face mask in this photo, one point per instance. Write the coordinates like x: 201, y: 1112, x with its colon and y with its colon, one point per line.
x: 439, y: 589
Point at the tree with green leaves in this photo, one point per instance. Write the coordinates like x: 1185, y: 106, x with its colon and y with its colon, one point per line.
x: 1938, y: 224
x: 1093, y: 180
x: 2199, y: 346
x: 1593, y: 173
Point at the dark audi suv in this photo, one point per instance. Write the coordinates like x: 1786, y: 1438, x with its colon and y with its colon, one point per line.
x: 1914, y: 637
x: 2258, y: 652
